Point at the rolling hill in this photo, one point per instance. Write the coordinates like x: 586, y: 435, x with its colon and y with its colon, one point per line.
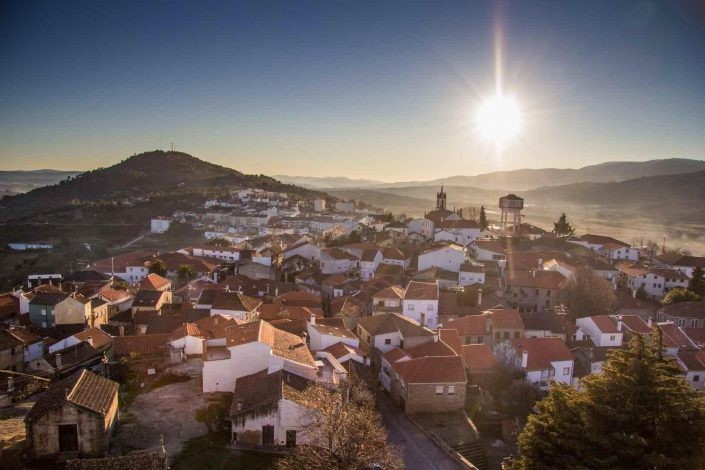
x: 156, y: 174
x: 525, y: 179
x: 15, y: 182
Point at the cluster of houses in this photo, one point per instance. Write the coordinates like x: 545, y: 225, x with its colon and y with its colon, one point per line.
x: 424, y: 306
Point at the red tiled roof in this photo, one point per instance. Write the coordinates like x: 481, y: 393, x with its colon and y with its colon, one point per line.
x: 636, y: 324
x: 188, y: 329
x: 536, y: 279
x: 391, y: 292
x: 542, y: 352
x: 675, y: 337
x: 141, y: 344
x: 339, y: 350
x: 432, y: 370
x: 416, y: 290
x: 393, y: 355
x: 471, y: 325
x: 605, y: 324
x: 154, y: 282
x: 430, y: 348
x: 451, y: 338
x: 506, y: 318
x: 286, y: 345
x: 478, y: 357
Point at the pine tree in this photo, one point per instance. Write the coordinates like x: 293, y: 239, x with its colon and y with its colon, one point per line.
x: 562, y: 226
x: 697, y: 282
x: 638, y: 413
x: 483, y: 219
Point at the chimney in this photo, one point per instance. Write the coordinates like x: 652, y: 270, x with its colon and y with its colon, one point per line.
x: 215, y: 319
x: 10, y: 383
x: 479, y: 297
x: 540, y: 262
x: 649, y: 322
x: 58, y: 360
x: 619, y: 323
x: 121, y: 330
x: 533, y: 273
x: 524, y: 359
x: 634, y: 293
x: 313, y: 319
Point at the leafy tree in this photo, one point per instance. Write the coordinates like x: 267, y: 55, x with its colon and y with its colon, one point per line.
x: 185, y: 273
x: 345, y: 432
x: 641, y: 294
x: 562, y: 226
x: 678, y: 295
x: 218, y: 242
x: 638, y: 413
x: 158, y: 267
x: 483, y: 219
x: 589, y: 294
x: 697, y: 281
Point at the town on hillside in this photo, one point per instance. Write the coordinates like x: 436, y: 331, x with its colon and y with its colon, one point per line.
x: 454, y: 323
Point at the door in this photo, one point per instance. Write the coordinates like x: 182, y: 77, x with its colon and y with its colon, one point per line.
x: 68, y: 438
x: 291, y: 438
x: 267, y: 435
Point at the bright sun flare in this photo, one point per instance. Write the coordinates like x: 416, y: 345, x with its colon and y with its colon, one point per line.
x: 498, y: 119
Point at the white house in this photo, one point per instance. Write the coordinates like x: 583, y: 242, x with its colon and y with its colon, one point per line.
x: 677, y: 261
x: 388, y: 300
x: 459, y: 231
x: 470, y: 274
x: 693, y: 363
x: 250, y: 348
x: 448, y: 257
x: 544, y: 360
x: 488, y: 250
x: 322, y: 335
x: 189, y: 338
x: 335, y: 260
x: 370, y: 259
x: 319, y: 205
x: 227, y: 253
x: 303, y: 248
x: 345, y: 206
x: 602, y: 330
x: 269, y: 409
x: 420, y: 302
x: 609, y: 247
x: 395, y: 257
x: 160, y: 225
x: 654, y: 281
x: 235, y: 305
x: 387, y: 331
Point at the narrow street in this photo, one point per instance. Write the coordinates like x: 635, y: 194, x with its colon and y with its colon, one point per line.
x: 418, y: 451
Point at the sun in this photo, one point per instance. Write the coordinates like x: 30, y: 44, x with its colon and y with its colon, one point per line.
x: 498, y: 119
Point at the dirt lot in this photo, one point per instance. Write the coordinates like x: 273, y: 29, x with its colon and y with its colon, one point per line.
x: 168, y: 411
x: 12, y: 432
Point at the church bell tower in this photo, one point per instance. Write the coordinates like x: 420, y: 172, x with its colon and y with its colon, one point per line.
x: 441, y: 199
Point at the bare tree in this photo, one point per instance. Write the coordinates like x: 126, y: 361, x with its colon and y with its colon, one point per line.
x: 589, y: 294
x: 344, y: 432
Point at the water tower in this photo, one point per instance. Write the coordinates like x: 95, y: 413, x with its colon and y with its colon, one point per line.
x: 511, y: 204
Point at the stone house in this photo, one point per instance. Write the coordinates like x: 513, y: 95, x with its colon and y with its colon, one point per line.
x: 74, y: 417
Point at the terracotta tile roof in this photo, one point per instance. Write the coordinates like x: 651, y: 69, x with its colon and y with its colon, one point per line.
x: 73, y: 355
x: 393, y: 355
x: 389, y: 270
x: 154, y: 282
x: 456, y: 224
x: 391, y: 292
x: 114, y: 295
x: 430, y: 348
x: 95, y: 336
x: 506, y: 318
x: 274, y: 311
x: 632, y: 269
x: 636, y: 324
x: 161, y: 324
x: 602, y: 240
x: 490, y: 245
x: 339, y: 350
x: 285, y: 345
x: 346, y: 306
x: 148, y: 298
x: 337, y: 253
x: 141, y: 344
x: 542, y: 352
x: 216, y: 324
x: 431, y: 370
x: 234, y: 301
x: 697, y: 335
x: 49, y: 298
x: 685, y: 309
x: 471, y: 325
x: 189, y: 329
x: 478, y: 358
x: 258, y: 392
x: 451, y: 338
x: 675, y: 337
x: 8, y: 340
x: 335, y: 280
x: 25, y: 336
x: 121, y: 262
x: 468, y: 267
x: 416, y: 290
x: 391, y: 322
x: 536, y: 279
x: 677, y: 259
x: 605, y: 324
x: 394, y: 253
x: 444, y: 246
x: 369, y: 254
x: 299, y: 299
x: 693, y: 361
x: 83, y: 389
x: 332, y: 330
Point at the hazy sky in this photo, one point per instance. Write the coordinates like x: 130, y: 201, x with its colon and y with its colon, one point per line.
x: 376, y: 89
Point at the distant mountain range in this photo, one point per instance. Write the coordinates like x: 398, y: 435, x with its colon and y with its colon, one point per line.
x: 14, y: 182
x: 157, y: 174
x: 525, y: 179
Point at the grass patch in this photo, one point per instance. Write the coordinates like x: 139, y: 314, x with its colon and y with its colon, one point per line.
x: 210, y: 452
x: 169, y: 378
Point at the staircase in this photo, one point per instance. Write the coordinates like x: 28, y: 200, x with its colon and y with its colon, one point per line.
x: 474, y: 453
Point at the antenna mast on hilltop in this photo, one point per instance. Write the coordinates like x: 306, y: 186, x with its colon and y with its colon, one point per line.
x: 172, y: 147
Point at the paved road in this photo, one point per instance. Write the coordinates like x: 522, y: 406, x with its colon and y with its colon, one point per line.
x: 418, y: 451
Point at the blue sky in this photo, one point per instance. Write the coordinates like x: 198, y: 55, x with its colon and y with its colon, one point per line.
x: 383, y: 90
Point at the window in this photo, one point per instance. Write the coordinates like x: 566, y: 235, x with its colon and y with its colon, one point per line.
x: 388, y: 341
x: 696, y: 378
x: 536, y: 292
x: 548, y: 292
x: 506, y: 335
x: 429, y: 307
x: 566, y: 371
x: 451, y: 389
x: 612, y: 338
x: 68, y: 437
x: 517, y: 334
x: 411, y: 307
x: 439, y: 389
